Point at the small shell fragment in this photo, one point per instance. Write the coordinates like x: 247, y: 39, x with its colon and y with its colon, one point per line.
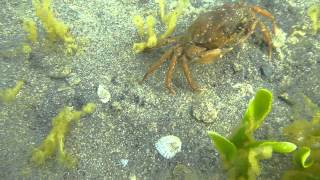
x: 168, y: 146
x: 103, y: 94
x: 124, y: 162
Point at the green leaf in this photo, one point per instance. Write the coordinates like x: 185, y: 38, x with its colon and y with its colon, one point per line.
x: 302, y: 157
x: 239, y: 137
x: 279, y: 147
x: 263, y: 152
x: 258, y: 109
x: 226, y: 148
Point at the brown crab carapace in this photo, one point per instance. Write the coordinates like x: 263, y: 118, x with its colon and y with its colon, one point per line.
x: 210, y: 36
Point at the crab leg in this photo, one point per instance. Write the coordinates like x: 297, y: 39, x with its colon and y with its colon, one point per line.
x: 172, y: 65
x: 157, y: 64
x: 187, y: 73
x: 267, y: 14
x: 266, y: 37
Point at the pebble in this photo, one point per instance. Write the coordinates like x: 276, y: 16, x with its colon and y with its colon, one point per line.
x: 124, y: 162
x: 205, y: 112
x: 266, y: 71
x: 73, y: 80
x: 103, y: 94
x: 116, y: 106
x: 60, y: 73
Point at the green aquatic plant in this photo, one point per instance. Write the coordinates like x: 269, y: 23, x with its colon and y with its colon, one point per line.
x: 306, y: 134
x: 26, y: 49
x: 9, y: 94
x: 168, y: 19
x: 301, y: 157
x: 56, y: 29
x: 240, y: 152
x: 30, y: 27
x: 54, y: 142
x: 314, y: 14
x: 152, y: 37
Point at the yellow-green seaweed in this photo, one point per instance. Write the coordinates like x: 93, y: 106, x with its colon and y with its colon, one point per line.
x: 169, y: 20
x: 306, y: 134
x: 139, y: 23
x: 54, y: 142
x: 152, y: 37
x: 26, y: 49
x: 314, y: 14
x: 29, y: 26
x: 56, y: 29
x: 9, y: 94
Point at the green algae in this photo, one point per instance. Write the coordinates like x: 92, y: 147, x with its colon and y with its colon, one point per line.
x: 306, y: 134
x: 168, y: 19
x: 54, y: 142
x: 9, y: 94
x: 314, y: 14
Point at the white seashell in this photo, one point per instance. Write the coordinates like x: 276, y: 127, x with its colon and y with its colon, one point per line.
x: 168, y: 146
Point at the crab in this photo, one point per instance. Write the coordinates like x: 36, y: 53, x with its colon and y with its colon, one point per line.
x: 212, y: 35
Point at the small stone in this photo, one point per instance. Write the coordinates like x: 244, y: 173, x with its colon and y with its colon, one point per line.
x: 243, y: 89
x: 237, y: 67
x: 124, y: 162
x: 205, y: 112
x: 116, y: 106
x: 60, y: 73
x: 182, y: 171
x: 73, y: 80
x: 266, y: 71
x: 285, y: 98
x: 103, y: 94
x: 152, y: 127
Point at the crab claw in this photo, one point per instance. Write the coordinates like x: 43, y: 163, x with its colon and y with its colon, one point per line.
x: 208, y: 57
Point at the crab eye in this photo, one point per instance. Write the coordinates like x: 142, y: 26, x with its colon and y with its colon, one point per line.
x: 239, y: 27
